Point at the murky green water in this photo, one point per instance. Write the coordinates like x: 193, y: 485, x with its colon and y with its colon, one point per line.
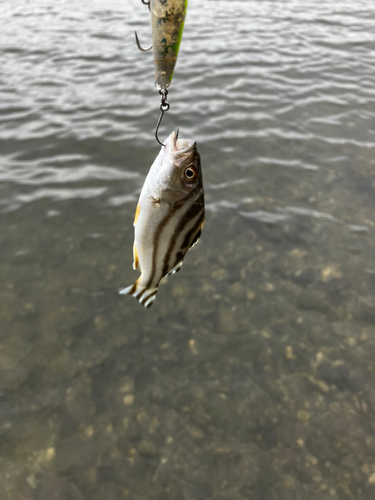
x: 253, y: 375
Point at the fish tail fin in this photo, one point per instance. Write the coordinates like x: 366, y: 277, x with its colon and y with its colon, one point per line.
x: 144, y: 295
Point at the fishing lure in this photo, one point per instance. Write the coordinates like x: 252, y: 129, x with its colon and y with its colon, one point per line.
x: 169, y: 217
x: 167, y: 24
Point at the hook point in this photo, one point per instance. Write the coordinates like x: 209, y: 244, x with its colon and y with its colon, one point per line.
x: 139, y: 44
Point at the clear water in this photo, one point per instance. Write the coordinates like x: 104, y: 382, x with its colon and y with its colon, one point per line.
x: 253, y: 375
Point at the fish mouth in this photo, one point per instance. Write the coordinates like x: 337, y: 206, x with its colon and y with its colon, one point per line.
x: 179, y: 147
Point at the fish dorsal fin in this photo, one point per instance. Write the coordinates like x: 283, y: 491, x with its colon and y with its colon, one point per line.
x: 136, y: 264
x: 138, y: 209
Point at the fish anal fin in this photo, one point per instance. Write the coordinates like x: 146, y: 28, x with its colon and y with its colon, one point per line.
x: 197, y: 235
x: 137, y: 210
x: 176, y: 268
x: 196, y: 238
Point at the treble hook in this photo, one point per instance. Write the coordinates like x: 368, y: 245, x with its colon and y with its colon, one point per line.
x: 139, y: 45
x: 145, y: 2
x: 164, y: 106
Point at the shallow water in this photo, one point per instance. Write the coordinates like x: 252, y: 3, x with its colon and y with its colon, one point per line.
x: 253, y: 375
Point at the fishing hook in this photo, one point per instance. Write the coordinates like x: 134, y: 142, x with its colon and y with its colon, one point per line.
x: 139, y: 45
x: 146, y: 2
x: 164, y: 106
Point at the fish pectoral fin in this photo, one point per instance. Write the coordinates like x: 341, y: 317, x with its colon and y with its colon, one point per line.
x: 136, y: 264
x: 144, y: 295
x: 155, y: 201
x: 176, y: 268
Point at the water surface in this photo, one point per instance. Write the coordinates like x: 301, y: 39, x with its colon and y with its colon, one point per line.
x: 253, y: 376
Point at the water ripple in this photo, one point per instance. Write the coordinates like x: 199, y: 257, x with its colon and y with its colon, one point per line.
x: 292, y: 73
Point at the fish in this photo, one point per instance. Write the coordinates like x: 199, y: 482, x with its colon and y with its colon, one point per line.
x: 167, y: 25
x: 169, y: 217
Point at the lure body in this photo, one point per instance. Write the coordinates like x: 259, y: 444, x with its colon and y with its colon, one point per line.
x: 167, y: 21
x: 169, y: 217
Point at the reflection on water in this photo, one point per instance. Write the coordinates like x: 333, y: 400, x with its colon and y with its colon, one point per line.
x: 252, y: 377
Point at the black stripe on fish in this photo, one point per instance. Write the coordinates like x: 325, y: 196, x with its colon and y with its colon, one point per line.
x: 179, y: 258
x: 192, y: 212
x: 146, y: 297
x: 152, y: 301
x: 196, y: 238
x: 178, y: 264
x: 194, y: 233
x: 158, y: 232
x: 138, y: 294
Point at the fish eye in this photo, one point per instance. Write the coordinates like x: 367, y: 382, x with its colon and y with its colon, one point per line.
x: 190, y: 172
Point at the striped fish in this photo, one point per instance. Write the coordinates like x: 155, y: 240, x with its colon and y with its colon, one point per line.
x: 169, y: 217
